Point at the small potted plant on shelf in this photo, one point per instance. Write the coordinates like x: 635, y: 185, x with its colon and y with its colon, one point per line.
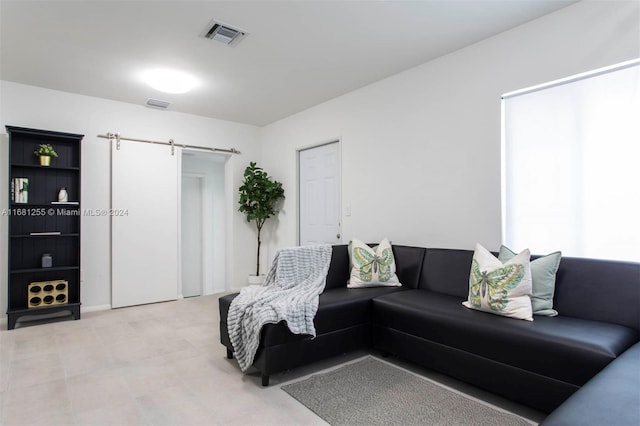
x: 45, y: 152
x: 258, y: 195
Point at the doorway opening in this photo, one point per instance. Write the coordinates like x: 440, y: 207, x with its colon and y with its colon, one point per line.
x: 202, y: 224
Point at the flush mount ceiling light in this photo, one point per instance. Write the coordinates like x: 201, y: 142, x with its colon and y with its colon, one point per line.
x: 169, y: 81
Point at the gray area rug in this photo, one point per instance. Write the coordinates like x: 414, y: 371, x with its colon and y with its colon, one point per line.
x: 372, y: 392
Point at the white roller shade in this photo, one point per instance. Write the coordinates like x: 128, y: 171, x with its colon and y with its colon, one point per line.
x: 571, y: 166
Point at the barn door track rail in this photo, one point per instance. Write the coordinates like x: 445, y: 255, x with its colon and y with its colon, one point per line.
x: 111, y: 136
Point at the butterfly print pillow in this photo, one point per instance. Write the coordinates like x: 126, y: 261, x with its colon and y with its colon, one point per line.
x: 500, y: 288
x: 372, y: 267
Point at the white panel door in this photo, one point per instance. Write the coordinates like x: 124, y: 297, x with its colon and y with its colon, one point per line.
x: 191, y: 236
x: 319, y: 200
x: 144, y: 241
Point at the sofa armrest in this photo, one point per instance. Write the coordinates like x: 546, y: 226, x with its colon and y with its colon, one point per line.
x: 611, y: 398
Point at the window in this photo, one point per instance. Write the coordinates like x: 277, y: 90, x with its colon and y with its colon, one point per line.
x: 571, y: 165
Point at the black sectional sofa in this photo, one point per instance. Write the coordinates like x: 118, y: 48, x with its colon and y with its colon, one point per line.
x: 588, y: 346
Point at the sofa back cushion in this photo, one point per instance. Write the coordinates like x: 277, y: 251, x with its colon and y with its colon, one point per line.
x: 600, y: 290
x: 338, y: 273
x: 447, y: 271
x: 409, y: 261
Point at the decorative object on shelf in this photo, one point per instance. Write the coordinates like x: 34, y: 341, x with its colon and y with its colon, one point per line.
x: 20, y: 190
x: 47, y: 293
x: 258, y: 196
x: 45, y: 151
x: 63, y: 197
x: 47, y: 260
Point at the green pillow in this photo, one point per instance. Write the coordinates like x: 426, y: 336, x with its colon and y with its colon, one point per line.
x: 543, y: 275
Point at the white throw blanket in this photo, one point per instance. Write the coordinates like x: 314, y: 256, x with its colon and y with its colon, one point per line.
x: 290, y: 292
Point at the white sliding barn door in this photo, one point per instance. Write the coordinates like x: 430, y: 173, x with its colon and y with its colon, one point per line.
x: 144, y: 227
x: 319, y: 183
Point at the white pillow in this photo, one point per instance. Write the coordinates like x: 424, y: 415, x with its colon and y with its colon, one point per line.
x: 500, y: 288
x: 372, y: 267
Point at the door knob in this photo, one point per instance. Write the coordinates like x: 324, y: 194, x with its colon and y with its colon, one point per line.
x: 338, y: 236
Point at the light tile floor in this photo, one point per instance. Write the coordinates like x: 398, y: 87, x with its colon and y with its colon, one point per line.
x: 159, y: 364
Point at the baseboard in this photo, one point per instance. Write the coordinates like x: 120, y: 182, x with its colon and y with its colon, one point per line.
x: 95, y: 308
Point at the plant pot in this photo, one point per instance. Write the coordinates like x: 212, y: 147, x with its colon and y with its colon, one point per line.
x: 45, y: 160
x: 256, y: 279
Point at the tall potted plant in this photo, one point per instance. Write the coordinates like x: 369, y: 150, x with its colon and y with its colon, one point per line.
x: 258, y: 195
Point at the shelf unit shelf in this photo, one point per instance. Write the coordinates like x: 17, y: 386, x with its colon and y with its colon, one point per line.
x: 50, y: 204
x: 46, y: 309
x: 57, y: 225
x: 46, y: 236
x: 44, y: 270
x: 38, y: 166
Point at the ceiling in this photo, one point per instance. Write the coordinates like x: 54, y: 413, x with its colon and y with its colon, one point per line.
x: 297, y: 54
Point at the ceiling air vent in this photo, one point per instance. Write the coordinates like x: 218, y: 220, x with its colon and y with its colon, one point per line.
x: 157, y: 103
x: 223, y: 33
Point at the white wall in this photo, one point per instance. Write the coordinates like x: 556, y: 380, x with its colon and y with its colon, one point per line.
x: 30, y: 106
x: 421, y: 149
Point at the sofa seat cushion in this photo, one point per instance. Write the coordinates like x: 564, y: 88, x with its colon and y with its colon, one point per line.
x: 339, y: 308
x: 345, y: 307
x: 568, y: 349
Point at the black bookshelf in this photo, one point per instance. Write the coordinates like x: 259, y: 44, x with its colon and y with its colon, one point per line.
x: 41, y: 225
